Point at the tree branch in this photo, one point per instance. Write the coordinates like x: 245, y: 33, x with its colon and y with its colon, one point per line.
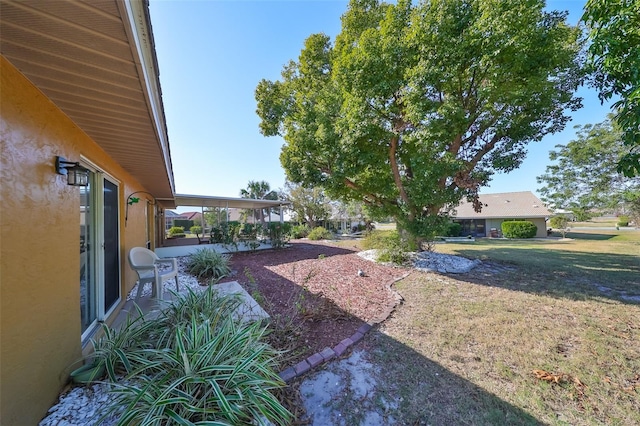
x: 395, y: 139
x: 351, y: 184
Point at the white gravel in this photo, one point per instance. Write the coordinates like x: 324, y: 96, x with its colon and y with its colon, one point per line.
x: 432, y: 262
x: 80, y: 406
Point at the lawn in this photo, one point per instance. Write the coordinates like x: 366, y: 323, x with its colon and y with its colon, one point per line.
x: 545, y: 332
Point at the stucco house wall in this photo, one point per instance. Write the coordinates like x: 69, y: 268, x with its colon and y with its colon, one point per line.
x: 39, y: 262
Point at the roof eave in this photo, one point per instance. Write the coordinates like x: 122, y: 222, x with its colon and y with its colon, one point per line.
x: 136, y: 15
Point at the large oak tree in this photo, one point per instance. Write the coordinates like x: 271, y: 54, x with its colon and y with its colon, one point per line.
x: 416, y: 106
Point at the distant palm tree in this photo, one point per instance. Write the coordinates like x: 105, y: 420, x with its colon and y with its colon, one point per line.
x: 258, y: 190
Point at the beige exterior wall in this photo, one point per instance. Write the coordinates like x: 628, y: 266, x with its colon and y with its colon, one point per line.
x: 542, y: 227
x: 497, y: 223
x: 39, y: 262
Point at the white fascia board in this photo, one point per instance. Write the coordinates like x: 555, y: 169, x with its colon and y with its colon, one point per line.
x: 135, y: 14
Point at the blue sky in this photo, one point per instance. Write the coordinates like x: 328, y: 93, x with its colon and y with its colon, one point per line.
x: 211, y: 56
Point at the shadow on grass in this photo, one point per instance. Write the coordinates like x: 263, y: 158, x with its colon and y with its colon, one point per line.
x: 589, y: 236
x: 311, y: 321
x: 561, y: 273
x: 428, y: 393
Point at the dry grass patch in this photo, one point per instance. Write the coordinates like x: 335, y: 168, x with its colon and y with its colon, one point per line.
x: 531, y: 337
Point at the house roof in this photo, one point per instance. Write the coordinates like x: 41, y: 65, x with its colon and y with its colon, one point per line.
x: 191, y: 215
x: 504, y: 205
x: 96, y: 61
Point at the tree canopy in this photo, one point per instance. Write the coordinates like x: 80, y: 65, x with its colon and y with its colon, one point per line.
x: 584, y: 175
x: 308, y: 204
x: 258, y: 190
x: 416, y: 106
x: 614, y: 58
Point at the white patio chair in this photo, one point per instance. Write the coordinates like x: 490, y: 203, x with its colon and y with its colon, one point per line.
x: 145, y: 263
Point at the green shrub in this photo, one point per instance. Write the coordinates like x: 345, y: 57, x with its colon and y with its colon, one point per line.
x: 176, y: 231
x: 300, y: 231
x: 208, y: 263
x: 377, y: 239
x: 623, y: 221
x: 396, y: 250
x: 519, y: 229
x: 279, y: 234
x: 225, y: 233
x: 453, y: 229
x: 392, y: 248
x: 248, y: 231
x: 196, y: 229
x: 320, y: 233
x: 184, y: 223
x: 200, y: 364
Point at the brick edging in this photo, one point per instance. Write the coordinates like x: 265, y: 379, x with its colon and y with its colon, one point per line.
x: 327, y: 354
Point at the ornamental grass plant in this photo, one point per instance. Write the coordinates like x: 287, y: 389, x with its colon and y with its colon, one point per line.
x: 197, y: 363
x: 208, y: 263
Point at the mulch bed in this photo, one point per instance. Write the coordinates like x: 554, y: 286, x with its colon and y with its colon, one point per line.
x: 313, y: 292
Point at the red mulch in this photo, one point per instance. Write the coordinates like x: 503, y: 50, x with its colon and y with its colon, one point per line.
x: 315, y: 287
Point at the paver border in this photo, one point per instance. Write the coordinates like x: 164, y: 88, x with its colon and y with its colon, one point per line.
x: 320, y: 358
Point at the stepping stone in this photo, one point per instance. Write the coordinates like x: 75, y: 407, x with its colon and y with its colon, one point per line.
x: 249, y: 310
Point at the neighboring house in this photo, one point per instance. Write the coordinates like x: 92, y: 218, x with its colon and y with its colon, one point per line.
x: 78, y: 79
x: 196, y: 217
x: 169, y: 217
x: 496, y: 208
x: 342, y: 221
x: 566, y: 213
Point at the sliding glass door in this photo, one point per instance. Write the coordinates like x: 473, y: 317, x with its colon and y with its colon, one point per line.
x: 99, y: 251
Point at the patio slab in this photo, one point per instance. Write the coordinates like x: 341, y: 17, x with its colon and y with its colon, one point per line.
x: 249, y: 310
x: 178, y: 251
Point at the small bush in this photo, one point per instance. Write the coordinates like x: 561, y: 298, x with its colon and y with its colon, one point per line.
x: 300, y: 231
x: 183, y: 223
x: 279, y: 234
x: 519, y: 229
x: 176, y: 231
x: 392, y: 248
x: 208, y: 263
x: 225, y: 233
x: 453, y: 229
x: 320, y: 233
x: 377, y: 239
x: 559, y: 222
x: 623, y: 221
x: 248, y: 231
x: 196, y: 229
x: 396, y: 249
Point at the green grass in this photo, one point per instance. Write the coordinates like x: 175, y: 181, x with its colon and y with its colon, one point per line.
x: 462, y: 349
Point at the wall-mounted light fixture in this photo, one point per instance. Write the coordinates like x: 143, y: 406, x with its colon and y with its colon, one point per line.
x: 131, y: 200
x: 76, y: 174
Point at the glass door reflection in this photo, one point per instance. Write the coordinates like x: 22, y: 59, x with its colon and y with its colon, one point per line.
x: 87, y: 266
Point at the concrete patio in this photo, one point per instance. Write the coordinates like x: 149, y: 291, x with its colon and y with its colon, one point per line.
x: 249, y: 309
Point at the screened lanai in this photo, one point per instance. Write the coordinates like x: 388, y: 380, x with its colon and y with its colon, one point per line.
x: 224, y: 205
